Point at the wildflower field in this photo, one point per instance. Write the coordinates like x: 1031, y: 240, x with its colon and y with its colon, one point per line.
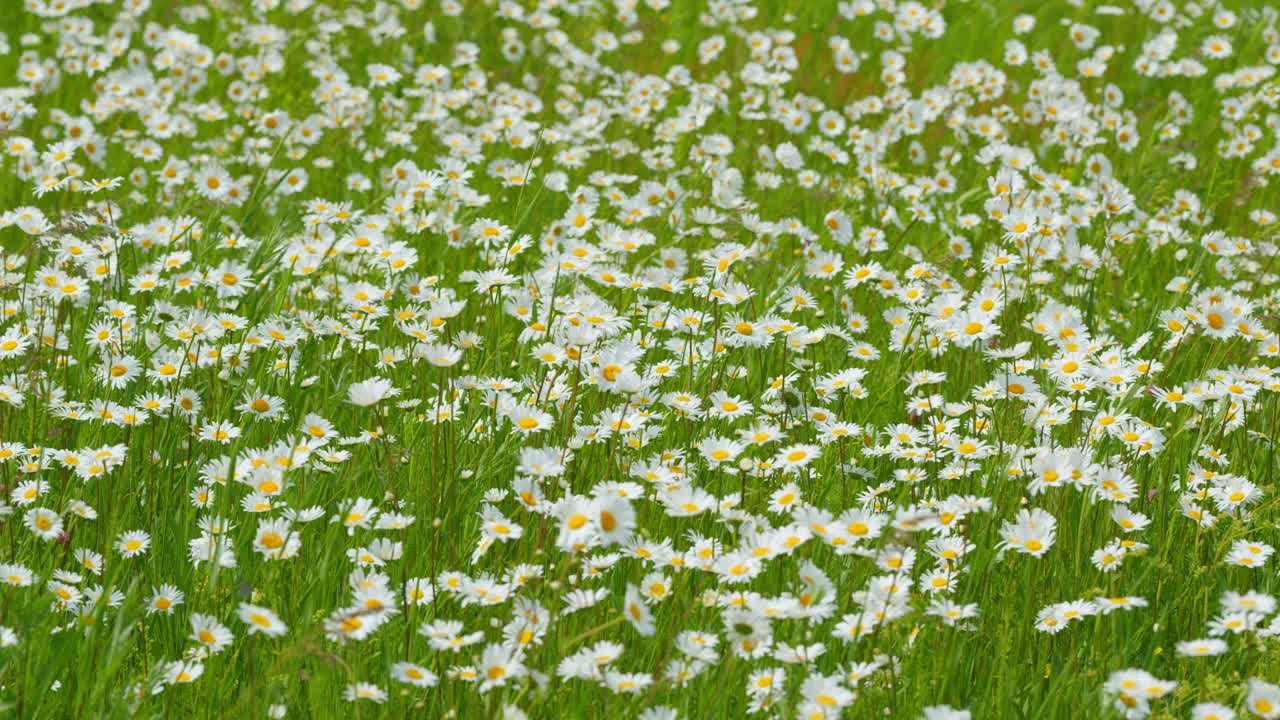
x: 645, y: 359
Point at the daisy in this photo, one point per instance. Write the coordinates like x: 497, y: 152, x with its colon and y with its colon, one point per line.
x: 370, y: 392
x: 412, y: 674
x: 212, y: 636
x: 133, y: 543
x: 164, y: 600
x: 261, y: 620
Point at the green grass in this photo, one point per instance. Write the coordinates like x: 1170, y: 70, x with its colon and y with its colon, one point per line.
x: 108, y: 659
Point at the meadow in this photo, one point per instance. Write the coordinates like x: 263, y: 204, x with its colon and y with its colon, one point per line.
x: 639, y: 359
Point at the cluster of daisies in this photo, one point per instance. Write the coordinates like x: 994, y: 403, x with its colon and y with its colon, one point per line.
x: 666, y: 357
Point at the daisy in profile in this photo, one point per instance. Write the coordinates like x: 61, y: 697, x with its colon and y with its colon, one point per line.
x: 413, y: 674
x: 371, y: 392
x: 183, y: 671
x: 1202, y: 648
x: 365, y: 691
x: 261, y: 620
x: 637, y: 612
